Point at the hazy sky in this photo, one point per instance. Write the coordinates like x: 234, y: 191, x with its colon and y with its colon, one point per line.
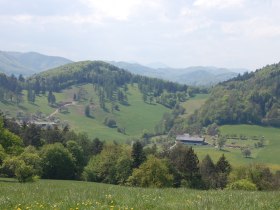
x: 179, y: 33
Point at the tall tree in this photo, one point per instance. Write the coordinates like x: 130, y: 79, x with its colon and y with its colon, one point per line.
x: 137, y: 154
x: 207, y: 171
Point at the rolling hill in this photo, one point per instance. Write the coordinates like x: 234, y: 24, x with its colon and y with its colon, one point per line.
x: 28, y: 63
x: 195, y: 76
x: 108, y: 92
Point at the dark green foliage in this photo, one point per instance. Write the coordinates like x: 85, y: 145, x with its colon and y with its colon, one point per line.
x: 137, y: 154
x: 186, y: 162
x: 10, y: 88
x: 246, y: 152
x: 110, y: 122
x: 78, y: 155
x: 208, y: 172
x: 31, y: 135
x: 96, y: 146
x: 223, y: 168
x: 223, y: 165
x: 57, y: 162
x: 51, y: 98
x: 87, y: 111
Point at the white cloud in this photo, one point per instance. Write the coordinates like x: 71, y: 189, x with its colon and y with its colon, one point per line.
x: 119, y: 9
x: 253, y: 28
x: 220, y: 4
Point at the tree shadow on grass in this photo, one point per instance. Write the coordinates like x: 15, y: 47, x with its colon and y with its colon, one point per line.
x: 8, y: 180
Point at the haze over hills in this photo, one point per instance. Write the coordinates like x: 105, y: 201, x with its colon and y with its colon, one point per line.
x: 28, y: 63
x: 196, y: 75
x: 32, y: 62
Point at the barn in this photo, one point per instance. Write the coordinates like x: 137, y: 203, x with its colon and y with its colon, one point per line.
x: 187, y: 139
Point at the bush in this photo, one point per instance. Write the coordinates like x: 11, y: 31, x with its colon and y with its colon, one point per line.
x: 110, y: 122
x: 25, y: 173
x: 152, y: 173
x: 242, y: 184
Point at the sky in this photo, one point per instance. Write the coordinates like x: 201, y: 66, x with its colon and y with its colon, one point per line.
x: 178, y: 33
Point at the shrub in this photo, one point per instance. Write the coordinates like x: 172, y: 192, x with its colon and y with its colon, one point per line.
x: 242, y: 184
x: 152, y: 173
x: 110, y: 122
x: 25, y: 173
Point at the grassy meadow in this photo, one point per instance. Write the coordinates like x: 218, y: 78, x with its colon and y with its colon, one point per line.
x: 194, y: 103
x: 135, y: 117
x: 54, y: 194
x: 269, y: 154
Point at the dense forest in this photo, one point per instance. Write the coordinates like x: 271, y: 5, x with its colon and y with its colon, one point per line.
x: 252, y: 98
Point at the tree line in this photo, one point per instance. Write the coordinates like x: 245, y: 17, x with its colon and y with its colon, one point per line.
x: 29, y: 152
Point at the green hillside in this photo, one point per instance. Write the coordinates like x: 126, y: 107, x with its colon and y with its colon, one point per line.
x: 47, y: 194
x: 132, y: 104
x: 135, y: 117
x: 253, y: 98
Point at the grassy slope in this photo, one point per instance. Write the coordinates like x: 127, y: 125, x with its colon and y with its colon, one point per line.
x: 135, y: 117
x: 194, y: 104
x: 47, y: 194
x: 268, y: 154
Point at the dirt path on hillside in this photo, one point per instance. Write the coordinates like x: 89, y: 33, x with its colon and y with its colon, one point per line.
x: 73, y: 103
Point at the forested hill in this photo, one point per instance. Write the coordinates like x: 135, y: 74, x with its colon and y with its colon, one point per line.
x: 108, y: 79
x: 250, y: 98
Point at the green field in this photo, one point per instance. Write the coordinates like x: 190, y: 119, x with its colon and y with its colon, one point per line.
x: 46, y: 194
x: 194, y: 104
x: 135, y: 117
x: 269, y: 154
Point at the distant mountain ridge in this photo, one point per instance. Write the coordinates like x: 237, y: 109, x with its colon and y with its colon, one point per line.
x: 28, y: 63
x: 195, y: 75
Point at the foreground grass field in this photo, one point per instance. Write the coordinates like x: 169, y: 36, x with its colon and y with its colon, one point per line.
x: 46, y: 194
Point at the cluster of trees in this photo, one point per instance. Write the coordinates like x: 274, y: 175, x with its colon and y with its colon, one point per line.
x: 29, y: 152
x: 10, y: 88
x: 251, y: 98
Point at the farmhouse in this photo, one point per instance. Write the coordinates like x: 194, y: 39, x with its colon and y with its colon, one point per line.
x: 44, y: 124
x: 187, y: 139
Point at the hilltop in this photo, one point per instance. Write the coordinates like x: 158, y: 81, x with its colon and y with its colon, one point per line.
x: 28, y: 63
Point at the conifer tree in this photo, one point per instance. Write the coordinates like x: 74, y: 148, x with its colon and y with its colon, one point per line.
x: 137, y: 154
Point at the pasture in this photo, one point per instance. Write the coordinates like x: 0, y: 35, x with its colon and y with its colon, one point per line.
x: 267, y: 155
x: 135, y: 117
x: 54, y: 194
